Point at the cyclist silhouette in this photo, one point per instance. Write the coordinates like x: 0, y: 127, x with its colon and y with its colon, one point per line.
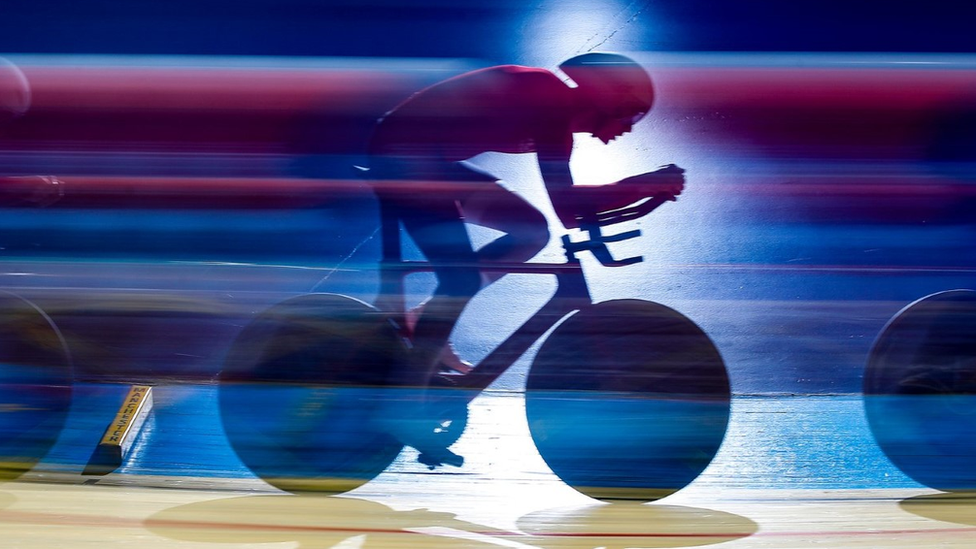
x: 428, y: 139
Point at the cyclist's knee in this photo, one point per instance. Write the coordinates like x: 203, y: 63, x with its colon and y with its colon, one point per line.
x: 538, y: 238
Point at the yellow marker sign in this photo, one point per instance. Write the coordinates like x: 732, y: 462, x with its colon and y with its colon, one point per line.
x: 122, y: 432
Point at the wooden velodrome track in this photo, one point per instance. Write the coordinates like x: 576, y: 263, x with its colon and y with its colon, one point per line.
x: 793, y: 472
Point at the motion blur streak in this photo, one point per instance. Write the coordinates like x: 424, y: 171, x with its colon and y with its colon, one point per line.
x: 154, y: 208
x: 168, y: 107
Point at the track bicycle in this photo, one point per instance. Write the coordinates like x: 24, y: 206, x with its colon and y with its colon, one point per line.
x: 625, y: 399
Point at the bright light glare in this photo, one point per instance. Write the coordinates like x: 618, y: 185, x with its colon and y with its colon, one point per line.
x: 563, y: 29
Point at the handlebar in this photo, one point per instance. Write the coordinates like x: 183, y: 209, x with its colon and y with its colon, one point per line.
x: 597, y: 244
x: 597, y: 241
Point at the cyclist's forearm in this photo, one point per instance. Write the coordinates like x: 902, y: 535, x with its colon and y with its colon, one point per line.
x: 604, y: 198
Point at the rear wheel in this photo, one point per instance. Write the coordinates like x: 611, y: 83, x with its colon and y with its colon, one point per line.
x: 628, y: 400
x: 301, y: 391
x: 35, y: 385
x: 920, y: 390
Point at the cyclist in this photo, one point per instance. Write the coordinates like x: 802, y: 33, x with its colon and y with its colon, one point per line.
x: 429, y: 138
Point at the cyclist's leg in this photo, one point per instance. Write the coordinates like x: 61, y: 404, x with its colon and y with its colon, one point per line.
x: 526, y: 229
x: 431, y: 217
x: 435, y: 225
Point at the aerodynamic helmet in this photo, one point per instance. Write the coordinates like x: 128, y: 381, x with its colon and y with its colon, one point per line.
x: 613, y: 79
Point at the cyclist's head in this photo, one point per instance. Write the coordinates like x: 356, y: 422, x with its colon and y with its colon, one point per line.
x: 618, y: 85
x: 15, y: 94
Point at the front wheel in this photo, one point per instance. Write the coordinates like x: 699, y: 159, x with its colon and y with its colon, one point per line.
x: 628, y: 400
x: 302, y: 388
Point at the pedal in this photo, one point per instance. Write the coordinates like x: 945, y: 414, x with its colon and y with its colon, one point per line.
x: 121, y: 434
x: 440, y: 457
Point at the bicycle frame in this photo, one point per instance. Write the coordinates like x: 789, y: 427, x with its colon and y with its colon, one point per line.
x: 571, y: 292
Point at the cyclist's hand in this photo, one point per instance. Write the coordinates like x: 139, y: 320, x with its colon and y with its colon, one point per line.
x: 666, y: 182
x: 585, y: 202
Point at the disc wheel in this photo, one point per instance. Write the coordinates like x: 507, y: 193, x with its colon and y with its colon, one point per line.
x: 301, y: 390
x: 35, y: 385
x: 920, y: 390
x: 628, y: 400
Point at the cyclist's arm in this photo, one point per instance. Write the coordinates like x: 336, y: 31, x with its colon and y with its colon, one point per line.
x: 554, y: 146
x: 572, y: 202
x: 554, y: 167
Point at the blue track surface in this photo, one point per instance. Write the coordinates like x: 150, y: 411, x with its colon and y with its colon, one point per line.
x: 773, y: 442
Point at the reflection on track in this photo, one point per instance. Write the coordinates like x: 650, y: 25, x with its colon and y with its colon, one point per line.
x: 321, y: 522
x: 624, y: 525
x: 58, y: 515
x: 314, y: 522
x: 956, y: 507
